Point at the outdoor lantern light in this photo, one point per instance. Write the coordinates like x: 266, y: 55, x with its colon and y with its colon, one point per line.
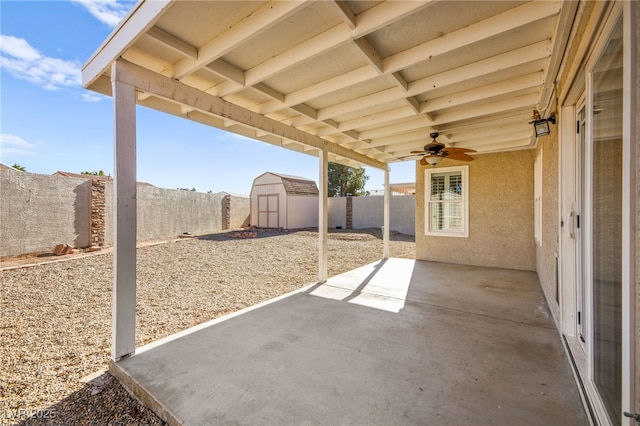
x: 541, y: 125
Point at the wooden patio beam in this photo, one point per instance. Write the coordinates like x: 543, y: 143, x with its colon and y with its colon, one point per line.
x: 173, y: 90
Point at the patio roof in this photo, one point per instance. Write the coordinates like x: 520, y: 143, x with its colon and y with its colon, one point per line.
x: 368, y: 81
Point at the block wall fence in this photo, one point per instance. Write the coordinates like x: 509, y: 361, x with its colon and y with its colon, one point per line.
x: 37, y: 212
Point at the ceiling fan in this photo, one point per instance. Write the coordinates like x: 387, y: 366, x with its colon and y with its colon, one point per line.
x: 435, y: 151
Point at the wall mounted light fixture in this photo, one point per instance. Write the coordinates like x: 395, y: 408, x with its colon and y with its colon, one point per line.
x: 541, y: 125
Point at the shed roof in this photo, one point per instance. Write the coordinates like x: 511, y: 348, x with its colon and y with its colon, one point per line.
x: 296, y: 185
x: 366, y: 80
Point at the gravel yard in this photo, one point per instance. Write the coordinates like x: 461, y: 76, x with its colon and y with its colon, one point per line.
x: 56, y: 317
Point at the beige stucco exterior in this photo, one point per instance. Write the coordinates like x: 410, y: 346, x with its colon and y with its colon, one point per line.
x: 547, y: 252
x: 501, y: 205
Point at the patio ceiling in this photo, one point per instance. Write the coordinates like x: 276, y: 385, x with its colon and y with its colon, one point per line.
x: 367, y: 80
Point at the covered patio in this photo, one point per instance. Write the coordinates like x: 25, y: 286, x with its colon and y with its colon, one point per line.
x: 395, y: 342
x: 361, y: 84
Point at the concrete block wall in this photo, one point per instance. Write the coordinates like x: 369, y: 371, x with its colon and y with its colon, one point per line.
x: 235, y: 211
x: 39, y: 211
x: 166, y: 213
x: 368, y: 212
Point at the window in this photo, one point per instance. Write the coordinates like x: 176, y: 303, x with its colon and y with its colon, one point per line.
x: 447, y: 202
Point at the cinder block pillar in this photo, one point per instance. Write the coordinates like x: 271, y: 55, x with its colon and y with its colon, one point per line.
x: 98, y: 209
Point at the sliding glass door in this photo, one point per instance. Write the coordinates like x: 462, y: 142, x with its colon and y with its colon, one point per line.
x: 606, y: 257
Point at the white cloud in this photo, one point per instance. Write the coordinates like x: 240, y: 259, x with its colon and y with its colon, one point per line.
x: 109, y: 12
x: 91, y: 97
x: 15, y: 145
x: 25, y: 62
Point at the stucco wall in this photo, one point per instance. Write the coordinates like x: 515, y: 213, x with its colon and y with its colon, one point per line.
x: 546, y: 254
x: 368, y: 213
x: 337, y: 207
x: 171, y: 212
x: 238, y: 211
x: 39, y: 211
x: 501, y: 211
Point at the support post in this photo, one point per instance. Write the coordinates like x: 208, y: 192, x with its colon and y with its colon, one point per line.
x: 385, y: 227
x: 124, y: 239
x: 323, y: 215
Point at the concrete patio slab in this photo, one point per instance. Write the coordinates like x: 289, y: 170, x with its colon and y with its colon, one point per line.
x: 391, y: 343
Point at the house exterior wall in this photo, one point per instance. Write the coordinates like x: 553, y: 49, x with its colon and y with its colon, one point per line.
x: 501, y: 214
x: 546, y: 255
x: 37, y: 212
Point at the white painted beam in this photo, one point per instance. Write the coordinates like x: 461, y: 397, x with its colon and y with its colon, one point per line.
x: 142, y: 17
x: 369, y: 21
x: 521, y: 56
x: 173, y: 42
x: 323, y: 215
x: 124, y: 239
x: 400, y: 80
x: 226, y: 70
x: 413, y: 103
x: 369, y: 53
x: 262, y: 19
x: 176, y: 91
x: 273, y: 94
x: 490, y: 27
x: 371, y: 120
x: 523, y: 101
x: 507, y: 21
x: 345, y: 13
x: 501, y: 88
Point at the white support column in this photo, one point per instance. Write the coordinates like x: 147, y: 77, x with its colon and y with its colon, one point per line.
x: 323, y: 215
x: 385, y: 227
x: 124, y: 239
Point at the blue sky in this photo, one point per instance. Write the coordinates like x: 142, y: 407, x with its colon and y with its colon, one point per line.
x: 48, y: 122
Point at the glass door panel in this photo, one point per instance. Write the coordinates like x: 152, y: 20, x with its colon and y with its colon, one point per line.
x: 607, y: 223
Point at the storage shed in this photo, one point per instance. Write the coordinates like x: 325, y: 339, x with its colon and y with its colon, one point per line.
x: 281, y: 201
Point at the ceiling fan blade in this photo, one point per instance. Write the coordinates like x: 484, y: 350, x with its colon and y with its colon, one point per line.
x: 418, y: 152
x: 459, y: 156
x: 423, y: 162
x: 454, y: 149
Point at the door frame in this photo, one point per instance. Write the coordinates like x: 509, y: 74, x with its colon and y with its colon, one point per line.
x: 578, y: 82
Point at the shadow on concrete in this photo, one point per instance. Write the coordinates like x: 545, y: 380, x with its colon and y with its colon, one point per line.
x: 450, y: 345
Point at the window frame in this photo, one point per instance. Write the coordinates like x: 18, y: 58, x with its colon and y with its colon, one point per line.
x: 464, y: 173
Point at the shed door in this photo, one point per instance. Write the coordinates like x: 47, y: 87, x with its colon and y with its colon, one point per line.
x: 268, y: 211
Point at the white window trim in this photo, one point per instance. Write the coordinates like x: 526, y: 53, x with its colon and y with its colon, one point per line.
x: 464, y: 171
